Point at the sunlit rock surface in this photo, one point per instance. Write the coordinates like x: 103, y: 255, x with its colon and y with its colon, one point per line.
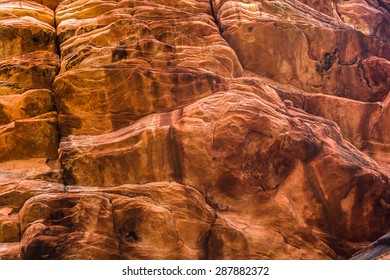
x: 331, y: 57
x: 194, y: 129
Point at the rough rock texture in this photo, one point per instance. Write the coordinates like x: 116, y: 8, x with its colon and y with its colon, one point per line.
x: 380, y: 250
x: 28, y: 119
x: 173, y: 140
x: 332, y: 57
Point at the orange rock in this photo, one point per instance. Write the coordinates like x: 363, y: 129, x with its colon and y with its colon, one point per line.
x: 9, y: 251
x: 333, y: 55
x: 193, y: 129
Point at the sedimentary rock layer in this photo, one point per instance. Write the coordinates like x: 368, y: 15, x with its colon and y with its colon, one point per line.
x: 309, y: 49
x: 140, y: 57
x: 28, y: 119
x: 332, y: 56
x: 174, y: 140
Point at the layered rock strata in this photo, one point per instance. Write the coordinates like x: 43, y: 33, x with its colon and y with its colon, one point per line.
x: 28, y: 118
x: 331, y: 57
x: 174, y: 147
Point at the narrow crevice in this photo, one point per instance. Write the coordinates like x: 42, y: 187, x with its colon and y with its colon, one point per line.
x: 383, y: 5
x: 214, y: 15
x: 373, y: 127
x: 57, y: 42
x: 20, y: 236
x: 363, y: 73
x: 319, y: 196
x: 120, y: 245
x: 58, y: 52
x: 175, y: 155
x: 208, y: 236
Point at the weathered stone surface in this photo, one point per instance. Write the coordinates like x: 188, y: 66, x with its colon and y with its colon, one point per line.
x: 164, y: 55
x: 32, y: 70
x: 380, y: 249
x: 237, y: 150
x: 28, y: 117
x: 23, y: 35
x: 17, y: 9
x: 9, y: 225
x: 172, y: 135
x: 368, y: 17
x: 28, y: 122
x: 142, y: 91
x: 315, y: 55
x: 334, y: 56
x: 68, y: 226
x: 20, y: 181
x: 365, y: 124
x: 9, y: 251
x: 23, y: 179
x: 159, y: 220
x: 31, y: 103
x: 51, y: 4
x: 35, y: 137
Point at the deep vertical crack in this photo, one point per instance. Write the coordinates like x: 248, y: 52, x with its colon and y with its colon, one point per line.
x: 115, y: 230
x: 213, y: 14
x: 383, y: 5
x: 57, y: 42
x: 208, y: 236
x: 58, y: 51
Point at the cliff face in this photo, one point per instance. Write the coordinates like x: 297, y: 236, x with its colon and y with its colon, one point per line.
x: 195, y: 129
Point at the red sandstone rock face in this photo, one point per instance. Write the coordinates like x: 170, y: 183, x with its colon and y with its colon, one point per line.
x: 174, y: 140
x: 343, y: 51
x: 334, y: 57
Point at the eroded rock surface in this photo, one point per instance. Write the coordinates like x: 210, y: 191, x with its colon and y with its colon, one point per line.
x: 28, y: 118
x: 331, y: 57
x: 173, y: 140
x: 380, y: 250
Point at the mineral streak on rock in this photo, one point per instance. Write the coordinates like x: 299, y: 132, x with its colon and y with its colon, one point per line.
x: 337, y: 55
x: 173, y: 140
x: 332, y: 58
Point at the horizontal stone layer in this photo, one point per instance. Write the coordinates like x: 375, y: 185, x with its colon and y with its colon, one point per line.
x: 334, y: 56
x: 174, y: 140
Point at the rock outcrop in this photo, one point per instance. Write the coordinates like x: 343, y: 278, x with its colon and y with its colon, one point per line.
x: 28, y: 118
x: 331, y: 57
x: 157, y: 129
